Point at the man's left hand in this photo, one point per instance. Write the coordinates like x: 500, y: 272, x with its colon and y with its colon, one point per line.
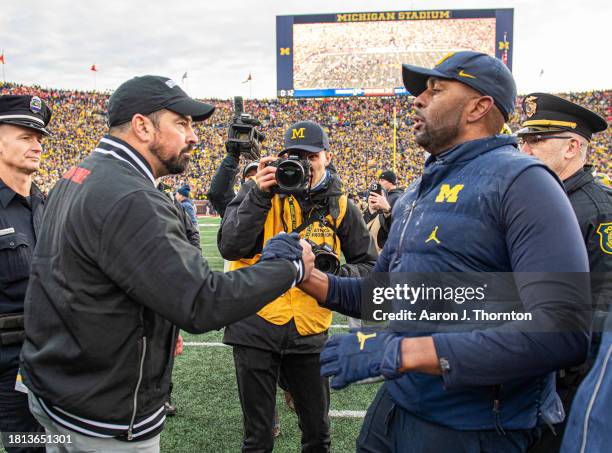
x: 360, y: 355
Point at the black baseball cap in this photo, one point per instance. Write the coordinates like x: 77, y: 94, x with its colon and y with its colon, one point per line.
x: 388, y: 175
x: 148, y: 94
x: 25, y: 111
x: 305, y: 136
x: 547, y: 113
x: 482, y: 72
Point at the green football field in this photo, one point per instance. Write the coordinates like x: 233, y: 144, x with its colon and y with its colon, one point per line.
x: 209, y: 417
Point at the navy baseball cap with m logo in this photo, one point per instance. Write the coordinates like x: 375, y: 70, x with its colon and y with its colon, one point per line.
x: 482, y: 72
x: 306, y: 136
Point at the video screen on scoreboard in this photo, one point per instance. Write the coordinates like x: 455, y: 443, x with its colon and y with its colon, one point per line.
x: 333, y: 55
x: 368, y: 54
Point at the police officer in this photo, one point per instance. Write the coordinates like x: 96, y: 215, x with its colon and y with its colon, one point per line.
x: 284, y: 339
x: 558, y: 132
x: 23, y: 123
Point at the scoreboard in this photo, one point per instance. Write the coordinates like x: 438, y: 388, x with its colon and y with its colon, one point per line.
x: 360, y: 54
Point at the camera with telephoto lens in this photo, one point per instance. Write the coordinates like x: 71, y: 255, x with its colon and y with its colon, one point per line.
x: 325, y: 258
x: 292, y: 174
x: 242, y: 136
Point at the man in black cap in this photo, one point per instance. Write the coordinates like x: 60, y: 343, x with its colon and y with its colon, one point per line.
x: 558, y: 132
x: 480, y: 206
x: 23, y: 124
x: 114, y: 278
x: 378, y: 214
x: 285, y: 337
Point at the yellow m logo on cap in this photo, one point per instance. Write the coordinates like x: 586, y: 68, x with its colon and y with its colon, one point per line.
x: 448, y: 193
x: 285, y: 50
x: 297, y: 133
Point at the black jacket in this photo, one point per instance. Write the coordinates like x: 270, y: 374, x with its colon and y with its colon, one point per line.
x: 592, y: 203
x: 241, y: 236
x: 222, y: 185
x: 112, y: 275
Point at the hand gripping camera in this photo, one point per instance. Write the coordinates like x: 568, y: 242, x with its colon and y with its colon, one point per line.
x: 292, y: 174
x: 325, y: 258
x: 242, y: 136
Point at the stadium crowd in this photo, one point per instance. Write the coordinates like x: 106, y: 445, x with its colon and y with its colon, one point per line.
x: 360, y: 132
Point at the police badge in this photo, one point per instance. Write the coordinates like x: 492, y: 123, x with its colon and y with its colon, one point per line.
x: 605, y: 237
x: 530, y: 105
x: 35, y: 104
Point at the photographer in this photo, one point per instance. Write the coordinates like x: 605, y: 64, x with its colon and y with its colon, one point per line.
x: 287, y: 335
x: 381, y: 200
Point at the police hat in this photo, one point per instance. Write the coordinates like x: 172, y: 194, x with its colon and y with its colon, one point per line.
x: 26, y: 111
x: 148, y: 94
x: 482, y: 72
x: 547, y: 113
x: 305, y: 136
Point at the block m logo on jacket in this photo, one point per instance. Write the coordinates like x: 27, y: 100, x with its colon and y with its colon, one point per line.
x: 449, y: 194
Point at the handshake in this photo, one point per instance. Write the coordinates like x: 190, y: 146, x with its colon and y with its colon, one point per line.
x: 291, y: 247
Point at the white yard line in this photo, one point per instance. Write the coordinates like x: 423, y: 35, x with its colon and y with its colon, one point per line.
x: 206, y: 344
x: 347, y: 414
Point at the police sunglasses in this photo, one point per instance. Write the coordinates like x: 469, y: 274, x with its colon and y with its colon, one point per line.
x: 534, y: 139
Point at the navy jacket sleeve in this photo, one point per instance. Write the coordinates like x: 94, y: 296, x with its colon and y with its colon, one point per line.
x: 344, y: 294
x: 545, y: 244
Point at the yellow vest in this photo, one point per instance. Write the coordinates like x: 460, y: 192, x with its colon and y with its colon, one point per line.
x: 309, y: 317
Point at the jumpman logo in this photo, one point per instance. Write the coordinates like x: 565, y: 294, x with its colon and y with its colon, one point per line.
x: 432, y: 236
x: 362, y: 337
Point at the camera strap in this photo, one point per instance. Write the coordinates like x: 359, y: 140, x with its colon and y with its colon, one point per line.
x: 319, y: 214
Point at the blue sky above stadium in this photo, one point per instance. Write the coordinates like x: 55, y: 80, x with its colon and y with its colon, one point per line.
x: 53, y: 43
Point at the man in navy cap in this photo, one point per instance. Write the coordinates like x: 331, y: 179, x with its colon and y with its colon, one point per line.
x: 558, y: 132
x: 480, y: 206
x: 182, y: 196
x: 23, y: 124
x: 114, y: 278
x: 284, y: 339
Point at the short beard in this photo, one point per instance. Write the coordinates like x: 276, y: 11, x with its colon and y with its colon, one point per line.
x: 174, y: 165
x: 442, y: 138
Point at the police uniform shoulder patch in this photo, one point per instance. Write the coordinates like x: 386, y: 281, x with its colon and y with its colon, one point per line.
x: 35, y: 104
x: 530, y: 105
x: 604, y: 230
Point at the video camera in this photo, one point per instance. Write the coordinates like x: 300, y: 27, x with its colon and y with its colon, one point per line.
x: 325, y: 258
x: 242, y: 135
x: 292, y: 174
